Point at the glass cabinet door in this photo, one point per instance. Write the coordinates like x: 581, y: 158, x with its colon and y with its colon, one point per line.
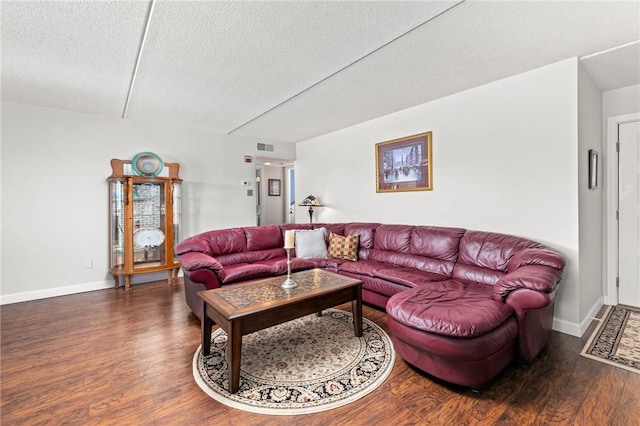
x: 177, y: 215
x: 149, y: 224
x: 117, y: 201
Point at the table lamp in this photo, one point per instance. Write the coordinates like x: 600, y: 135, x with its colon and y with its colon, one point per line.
x: 311, y: 202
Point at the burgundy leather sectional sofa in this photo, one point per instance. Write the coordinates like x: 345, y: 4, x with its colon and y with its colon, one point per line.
x: 461, y: 304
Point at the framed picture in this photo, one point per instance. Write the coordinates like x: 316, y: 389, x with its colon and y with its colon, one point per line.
x: 404, y: 164
x: 593, y: 169
x: 274, y: 187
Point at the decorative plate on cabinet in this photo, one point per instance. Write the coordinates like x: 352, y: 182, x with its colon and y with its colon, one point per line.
x: 147, y: 164
x: 148, y: 237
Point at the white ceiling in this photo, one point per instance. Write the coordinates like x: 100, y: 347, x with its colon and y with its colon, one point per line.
x: 288, y: 71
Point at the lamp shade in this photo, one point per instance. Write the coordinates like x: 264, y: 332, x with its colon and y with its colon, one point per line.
x: 311, y: 201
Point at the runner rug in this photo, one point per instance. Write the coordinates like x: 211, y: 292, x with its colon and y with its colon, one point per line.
x: 616, y: 340
x: 307, y: 365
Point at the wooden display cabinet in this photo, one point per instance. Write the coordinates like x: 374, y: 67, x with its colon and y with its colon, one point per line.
x: 144, y: 223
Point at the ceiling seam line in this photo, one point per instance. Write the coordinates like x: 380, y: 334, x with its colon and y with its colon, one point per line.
x: 611, y: 49
x: 139, y: 56
x: 345, y: 67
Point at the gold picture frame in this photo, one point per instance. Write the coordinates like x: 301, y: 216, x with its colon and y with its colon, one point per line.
x: 405, y: 164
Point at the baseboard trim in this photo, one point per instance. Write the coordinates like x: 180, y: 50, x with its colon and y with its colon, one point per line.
x: 566, y: 327
x: 80, y: 288
x: 586, y: 322
x: 54, y: 292
x: 578, y: 329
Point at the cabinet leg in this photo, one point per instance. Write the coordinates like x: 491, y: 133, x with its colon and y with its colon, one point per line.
x: 116, y: 281
x: 170, y: 278
x: 127, y: 282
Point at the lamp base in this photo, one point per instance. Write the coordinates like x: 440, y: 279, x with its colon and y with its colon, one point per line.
x: 310, y: 215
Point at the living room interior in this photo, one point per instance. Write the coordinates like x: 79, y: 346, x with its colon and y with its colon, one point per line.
x: 514, y: 93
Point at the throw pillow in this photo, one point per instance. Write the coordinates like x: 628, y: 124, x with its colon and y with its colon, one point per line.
x: 344, y: 247
x: 311, y: 244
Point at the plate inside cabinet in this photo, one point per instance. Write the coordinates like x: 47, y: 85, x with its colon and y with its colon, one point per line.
x: 148, y: 237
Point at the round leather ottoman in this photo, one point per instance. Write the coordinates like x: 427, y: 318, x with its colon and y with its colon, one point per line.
x: 454, y: 331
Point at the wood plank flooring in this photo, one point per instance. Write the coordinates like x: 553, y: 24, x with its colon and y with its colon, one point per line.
x: 120, y: 358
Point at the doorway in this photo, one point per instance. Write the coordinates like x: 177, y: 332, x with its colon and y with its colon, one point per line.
x: 623, y: 211
x: 275, y: 184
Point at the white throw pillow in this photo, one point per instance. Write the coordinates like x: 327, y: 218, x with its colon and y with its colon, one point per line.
x: 311, y: 244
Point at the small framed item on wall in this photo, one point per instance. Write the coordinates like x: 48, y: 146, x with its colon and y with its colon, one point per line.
x: 404, y: 164
x: 593, y: 169
x: 274, y: 187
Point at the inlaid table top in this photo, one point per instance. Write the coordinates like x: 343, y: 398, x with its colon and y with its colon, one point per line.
x: 244, y: 298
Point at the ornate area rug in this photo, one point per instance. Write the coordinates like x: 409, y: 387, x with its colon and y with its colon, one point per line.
x: 616, y: 340
x: 307, y: 365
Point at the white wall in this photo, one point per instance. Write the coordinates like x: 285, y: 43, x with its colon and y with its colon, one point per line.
x: 590, y: 205
x: 54, y: 191
x: 625, y: 100
x: 505, y: 160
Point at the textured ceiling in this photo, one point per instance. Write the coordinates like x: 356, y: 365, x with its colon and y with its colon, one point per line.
x: 288, y: 71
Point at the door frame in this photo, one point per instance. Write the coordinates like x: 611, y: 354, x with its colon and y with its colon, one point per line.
x: 611, y: 207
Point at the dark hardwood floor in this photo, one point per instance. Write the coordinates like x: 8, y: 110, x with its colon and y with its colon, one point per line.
x: 116, y: 357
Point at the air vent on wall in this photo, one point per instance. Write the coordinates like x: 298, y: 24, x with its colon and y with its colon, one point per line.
x: 265, y: 147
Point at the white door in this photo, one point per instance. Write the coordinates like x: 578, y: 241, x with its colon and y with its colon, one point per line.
x: 629, y: 208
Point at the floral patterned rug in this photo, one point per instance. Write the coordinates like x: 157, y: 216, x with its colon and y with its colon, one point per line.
x: 616, y: 340
x: 307, y: 365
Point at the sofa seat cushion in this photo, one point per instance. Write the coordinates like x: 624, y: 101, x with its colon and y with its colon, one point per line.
x: 409, y: 276
x: 380, y: 286
x: 279, y: 266
x: 258, y: 256
x: 363, y: 267
x: 331, y: 264
x: 245, y: 271
x: 450, y: 308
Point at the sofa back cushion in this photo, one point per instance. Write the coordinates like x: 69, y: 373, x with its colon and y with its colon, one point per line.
x: 336, y: 228
x: 394, y: 238
x: 366, y: 231
x: 225, y: 241
x: 484, y: 256
x: 436, y: 242
x: 263, y: 237
x: 491, y: 250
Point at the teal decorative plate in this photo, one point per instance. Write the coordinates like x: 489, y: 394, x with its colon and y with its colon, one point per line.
x: 147, y: 164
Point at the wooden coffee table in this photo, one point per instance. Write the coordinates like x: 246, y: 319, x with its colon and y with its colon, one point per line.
x: 241, y: 309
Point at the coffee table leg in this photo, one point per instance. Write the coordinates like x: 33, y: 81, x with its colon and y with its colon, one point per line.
x: 356, y: 307
x: 207, y: 323
x: 234, y: 352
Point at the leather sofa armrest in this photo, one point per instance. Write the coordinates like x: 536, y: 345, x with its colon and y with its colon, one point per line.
x: 537, y: 256
x: 193, y: 261
x: 192, y: 244
x: 533, y: 277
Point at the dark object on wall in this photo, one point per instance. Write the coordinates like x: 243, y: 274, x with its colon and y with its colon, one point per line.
x: 274, y: 187
x: 593, y: 169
